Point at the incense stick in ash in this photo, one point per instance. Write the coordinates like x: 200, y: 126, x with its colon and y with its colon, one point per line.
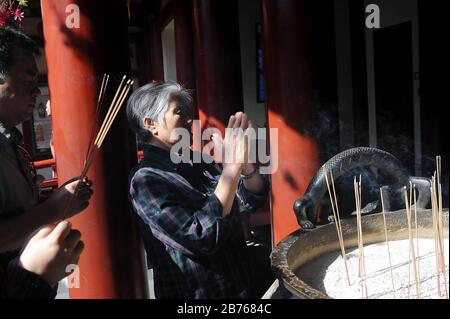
x: 335, y: 210
x: 387, y: 241
x: 417, y: 236
x: 440, y: 225
x: 435, y: 212
x: 361, y: 259
x: 412, y: 254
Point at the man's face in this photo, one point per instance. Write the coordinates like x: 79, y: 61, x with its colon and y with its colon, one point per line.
x: 19, y: 92
x: 177, y: 116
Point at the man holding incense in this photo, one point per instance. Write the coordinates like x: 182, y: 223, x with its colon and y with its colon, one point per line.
x: 189, y: 212
x: 22, y: 212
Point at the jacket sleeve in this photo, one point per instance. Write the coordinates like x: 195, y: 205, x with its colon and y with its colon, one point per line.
x: 159, y: 204
x: 19, y: 283
x: 252, y: 201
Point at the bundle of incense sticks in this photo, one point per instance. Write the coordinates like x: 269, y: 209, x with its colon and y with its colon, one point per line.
x: 95, y: 144
x: 438, y: 228
x: 337, y: 219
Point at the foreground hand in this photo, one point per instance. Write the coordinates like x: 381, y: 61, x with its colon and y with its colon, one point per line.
x: 51, y: 250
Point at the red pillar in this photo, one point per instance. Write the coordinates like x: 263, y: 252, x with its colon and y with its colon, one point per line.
x: 218, y: 63
x: 111, y: 264
x: 290, y: 86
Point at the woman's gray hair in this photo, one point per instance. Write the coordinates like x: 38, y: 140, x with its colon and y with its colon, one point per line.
x: 152, y: 101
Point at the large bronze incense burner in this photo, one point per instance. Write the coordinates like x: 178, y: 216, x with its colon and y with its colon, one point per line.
x: 301, y: 247
x: 383, y: 176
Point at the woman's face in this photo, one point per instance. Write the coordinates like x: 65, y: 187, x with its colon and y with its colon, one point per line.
x: 177, y: 117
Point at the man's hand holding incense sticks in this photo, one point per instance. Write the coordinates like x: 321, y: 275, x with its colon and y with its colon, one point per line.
x: 64, y: 194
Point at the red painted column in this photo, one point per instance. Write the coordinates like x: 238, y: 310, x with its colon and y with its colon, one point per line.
x: 218, y: 63
x: 290, y: 94
x: 111, y: 264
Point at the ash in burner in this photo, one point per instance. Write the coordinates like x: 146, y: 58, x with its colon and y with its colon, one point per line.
x: 327, y: 273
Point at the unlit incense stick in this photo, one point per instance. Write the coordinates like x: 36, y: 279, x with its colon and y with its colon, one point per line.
x: 100, y: 99
x: 113, y: 110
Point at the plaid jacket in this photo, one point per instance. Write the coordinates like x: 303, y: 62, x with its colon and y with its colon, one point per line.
x: 194, y: 252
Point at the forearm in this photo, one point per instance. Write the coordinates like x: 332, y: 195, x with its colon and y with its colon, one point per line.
x: 15, y: 230
x: 226, y: 189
